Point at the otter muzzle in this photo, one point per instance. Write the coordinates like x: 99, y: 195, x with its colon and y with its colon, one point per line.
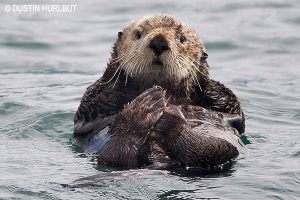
x: 159, y: 44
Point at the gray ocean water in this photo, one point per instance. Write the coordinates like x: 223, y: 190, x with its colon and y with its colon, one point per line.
x: 48, y: 59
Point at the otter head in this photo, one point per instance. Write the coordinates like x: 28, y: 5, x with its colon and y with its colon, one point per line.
x: 160, y: 49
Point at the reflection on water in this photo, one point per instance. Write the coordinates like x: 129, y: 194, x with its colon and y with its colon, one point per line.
x: 48, y: 59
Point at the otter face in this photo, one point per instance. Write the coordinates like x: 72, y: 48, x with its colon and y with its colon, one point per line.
x: 160, y: 49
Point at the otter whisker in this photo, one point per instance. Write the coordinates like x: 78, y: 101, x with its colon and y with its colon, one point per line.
x: 132, y: 66
x: 118, y: 70
x: 138, y: 65
x: 143, y: 64
x: 117, y: 78
x: 176, y: 67
x: 191, y: 68
x: 125, y: 63
x: 104, y: 83
x: 172, y: 67
x: 195, y: 66
x: 195, y: 78
x: 135, y: 65
x: 126, y: 80
x: 184, y: 65
x: 117, y: 59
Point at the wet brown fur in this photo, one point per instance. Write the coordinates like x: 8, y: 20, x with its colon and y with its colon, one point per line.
x: 177, y: 122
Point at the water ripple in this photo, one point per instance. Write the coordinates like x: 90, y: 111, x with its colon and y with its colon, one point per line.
x: 48, y: 60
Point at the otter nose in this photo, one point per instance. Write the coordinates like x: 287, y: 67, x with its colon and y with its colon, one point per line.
x: 159, y: 44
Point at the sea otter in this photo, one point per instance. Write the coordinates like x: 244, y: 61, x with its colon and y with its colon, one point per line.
x: 156, y: 106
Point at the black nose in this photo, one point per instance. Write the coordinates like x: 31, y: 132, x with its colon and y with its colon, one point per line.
x: 159, y: 44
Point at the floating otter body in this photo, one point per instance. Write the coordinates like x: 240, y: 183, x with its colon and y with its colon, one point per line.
x: 155, y: 105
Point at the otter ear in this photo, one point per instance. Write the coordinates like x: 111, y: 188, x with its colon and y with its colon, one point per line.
x: 120, y: 34
x: 203, y: 60
x: 204, y: 56
x: 203, y: 65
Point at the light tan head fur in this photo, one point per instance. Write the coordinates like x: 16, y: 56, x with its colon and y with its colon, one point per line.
x: 184, y: 59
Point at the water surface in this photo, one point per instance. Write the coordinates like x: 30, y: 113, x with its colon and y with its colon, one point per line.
x: 48, y: 59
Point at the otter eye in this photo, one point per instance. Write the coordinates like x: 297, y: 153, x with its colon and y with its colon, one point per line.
x: 182, y: 39
x: 138, y: 34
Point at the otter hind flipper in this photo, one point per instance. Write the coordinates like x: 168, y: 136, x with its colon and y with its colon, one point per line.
x: 207, y: 144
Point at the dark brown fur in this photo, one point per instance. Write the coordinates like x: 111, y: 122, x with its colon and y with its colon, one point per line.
x: 175, y: 123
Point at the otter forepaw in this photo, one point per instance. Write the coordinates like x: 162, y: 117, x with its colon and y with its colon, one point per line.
x: 146, y: 109
x: 171, y: 118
